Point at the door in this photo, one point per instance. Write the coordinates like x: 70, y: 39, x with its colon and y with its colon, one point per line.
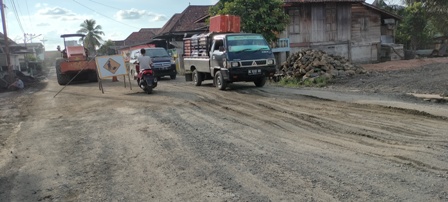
x: 217, y: 54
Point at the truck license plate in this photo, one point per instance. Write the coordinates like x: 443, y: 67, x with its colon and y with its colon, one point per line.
x: 254, y: 71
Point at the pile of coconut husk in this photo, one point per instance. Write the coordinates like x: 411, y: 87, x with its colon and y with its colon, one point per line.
x: 311, y: 64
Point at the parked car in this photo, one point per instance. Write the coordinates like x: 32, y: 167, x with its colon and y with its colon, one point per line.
x: 163, y: 63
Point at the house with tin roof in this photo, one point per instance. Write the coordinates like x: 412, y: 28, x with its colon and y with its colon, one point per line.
x: 191, y: 21
x: 349, y: 28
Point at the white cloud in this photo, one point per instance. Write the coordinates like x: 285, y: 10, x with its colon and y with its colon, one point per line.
x: 133, y: 14
x: 73, y: 18
x: 130, y: 14
x: 39, y: 5
x: 56, y: 11
x: 159, y: 18
x: 42, y: 24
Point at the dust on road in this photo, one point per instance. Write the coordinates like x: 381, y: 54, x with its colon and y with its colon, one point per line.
x: 187, y: 143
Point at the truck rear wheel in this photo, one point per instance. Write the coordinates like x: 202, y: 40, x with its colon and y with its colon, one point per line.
x: 63, y: 79
x: 260, y: 82
x: 221, y: 84
x: 197, y: 78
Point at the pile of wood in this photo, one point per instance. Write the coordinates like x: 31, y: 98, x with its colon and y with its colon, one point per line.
x: 311, y: 64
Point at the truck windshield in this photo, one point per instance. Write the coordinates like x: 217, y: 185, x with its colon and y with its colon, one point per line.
x: 157, y: 52
x: 244, y: 43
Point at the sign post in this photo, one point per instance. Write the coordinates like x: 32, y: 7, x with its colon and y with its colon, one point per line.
x: 111, y: 66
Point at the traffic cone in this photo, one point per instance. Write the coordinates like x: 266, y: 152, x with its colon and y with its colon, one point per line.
x: 114, y: 79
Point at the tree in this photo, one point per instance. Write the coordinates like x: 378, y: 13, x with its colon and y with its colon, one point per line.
x: 106, y: 48
x: 432, y: 5
x: 92, y: 32
x: 265, y: 17
x: 415, y: 31
x: 436, y: 10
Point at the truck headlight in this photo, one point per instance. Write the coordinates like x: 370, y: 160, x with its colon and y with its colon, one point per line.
x: 271, y: 62
x: 228, y: 64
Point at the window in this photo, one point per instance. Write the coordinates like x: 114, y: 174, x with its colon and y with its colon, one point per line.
x: 294, y: 26
x: 218, y: 43
x: 246, y: 42
x: 364, y: 23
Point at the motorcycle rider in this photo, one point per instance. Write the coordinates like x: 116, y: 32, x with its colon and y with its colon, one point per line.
x: 145, y: 62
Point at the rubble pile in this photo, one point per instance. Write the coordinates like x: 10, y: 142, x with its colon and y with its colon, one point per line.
x: 311, y: 64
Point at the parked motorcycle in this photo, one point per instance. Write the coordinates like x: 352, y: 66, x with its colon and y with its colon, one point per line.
x: 146, y: 80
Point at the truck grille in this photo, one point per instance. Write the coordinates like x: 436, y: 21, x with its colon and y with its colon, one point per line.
x: 162, y: 64
x: 251, y: 63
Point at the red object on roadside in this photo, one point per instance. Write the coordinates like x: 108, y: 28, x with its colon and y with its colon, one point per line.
x: 137, y: 68
x: 225, y: 23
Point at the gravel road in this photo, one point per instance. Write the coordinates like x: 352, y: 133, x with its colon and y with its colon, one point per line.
x: 188, y: 143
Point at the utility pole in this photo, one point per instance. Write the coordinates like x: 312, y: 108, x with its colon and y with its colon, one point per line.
x: 8, y: 59
x: 26, y: 54
x: 43, y: 41
x: 31, y: 71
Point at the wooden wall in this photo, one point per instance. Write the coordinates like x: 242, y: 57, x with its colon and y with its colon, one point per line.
x: 366, y: 25
x: 345, y: 29
x: 366, y: 34
x: 314, y: 23
x: 324, y: 26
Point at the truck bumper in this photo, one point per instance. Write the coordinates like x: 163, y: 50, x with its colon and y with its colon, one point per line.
x: 248, y: 73
x: 168, y: 71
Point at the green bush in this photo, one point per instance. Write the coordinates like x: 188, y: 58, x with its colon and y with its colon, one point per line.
x: 289, y: 82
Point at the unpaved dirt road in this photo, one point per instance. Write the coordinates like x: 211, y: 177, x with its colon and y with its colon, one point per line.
x: 187, y: 143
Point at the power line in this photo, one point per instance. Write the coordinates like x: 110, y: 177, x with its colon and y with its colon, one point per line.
x: 17, y: 15
x: 105, y: 5
x: 29, y: 16
x: 105, y: 15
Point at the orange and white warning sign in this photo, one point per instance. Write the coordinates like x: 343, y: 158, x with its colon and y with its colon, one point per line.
x: 110, y: 65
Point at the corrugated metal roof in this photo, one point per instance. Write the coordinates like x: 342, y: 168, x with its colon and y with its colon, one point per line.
x: 384, y: 12
x: 187, y: 20
x: 145, y: 34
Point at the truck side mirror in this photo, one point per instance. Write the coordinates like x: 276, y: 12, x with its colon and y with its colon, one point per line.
x: 221, y: 48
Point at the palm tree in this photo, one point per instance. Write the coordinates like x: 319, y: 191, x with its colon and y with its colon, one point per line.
x: 92, y: 32
x: 107, y: 48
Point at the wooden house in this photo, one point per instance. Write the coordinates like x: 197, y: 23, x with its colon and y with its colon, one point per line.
x: 349, y: 28
x: 191, y: 21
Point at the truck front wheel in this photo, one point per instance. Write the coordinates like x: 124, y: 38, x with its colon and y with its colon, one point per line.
x: 63, y: 79
x: 197, y: 78
x: 260, y: 82
x: 221, y: 84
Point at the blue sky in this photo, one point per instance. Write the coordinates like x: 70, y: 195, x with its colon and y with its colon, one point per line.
x: 48, y: 19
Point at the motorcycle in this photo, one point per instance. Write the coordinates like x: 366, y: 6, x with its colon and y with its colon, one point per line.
x: 146, y: 80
